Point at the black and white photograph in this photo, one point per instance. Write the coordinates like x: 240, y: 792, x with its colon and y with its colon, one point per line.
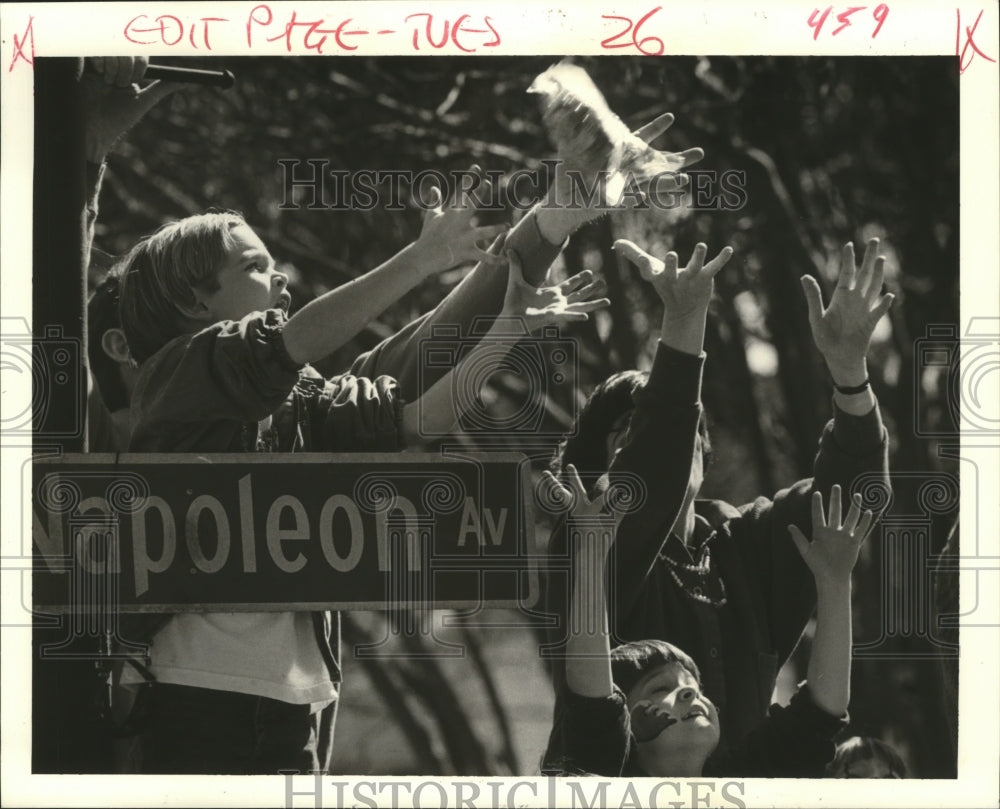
x: 417, y: 421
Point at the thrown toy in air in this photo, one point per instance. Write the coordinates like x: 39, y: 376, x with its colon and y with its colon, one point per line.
x: 589, y: 136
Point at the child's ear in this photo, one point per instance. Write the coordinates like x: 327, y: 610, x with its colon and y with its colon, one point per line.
x: 114, y: 344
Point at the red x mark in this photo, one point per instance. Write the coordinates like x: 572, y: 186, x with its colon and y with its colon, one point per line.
x: 963, y: 65
x: 27, y: 39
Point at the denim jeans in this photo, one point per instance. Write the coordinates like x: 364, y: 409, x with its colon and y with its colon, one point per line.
x: 200, y: 731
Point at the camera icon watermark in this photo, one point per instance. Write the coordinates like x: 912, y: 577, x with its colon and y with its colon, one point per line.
x: 952, y: 378
x: 44, y: 385
x: 905, y: 563
x: 543, y: 368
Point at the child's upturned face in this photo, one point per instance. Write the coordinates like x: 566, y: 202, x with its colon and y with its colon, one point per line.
x: 247, y: 279
x: 671, y: 718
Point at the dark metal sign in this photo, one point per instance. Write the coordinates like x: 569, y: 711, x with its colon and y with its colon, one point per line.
x: 180, y: 532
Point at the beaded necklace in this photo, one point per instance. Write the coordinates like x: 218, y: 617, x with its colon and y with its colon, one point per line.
x: 695, y: 578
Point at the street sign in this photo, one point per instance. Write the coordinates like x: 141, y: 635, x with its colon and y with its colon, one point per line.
x: 259, y: 532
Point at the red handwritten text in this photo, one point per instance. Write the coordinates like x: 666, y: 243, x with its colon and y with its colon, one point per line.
x: 970, y: 42
x: 817, y: 18
x: 166, y: 29
x: 650, y: 45
x: 463, y: 32
x: 19, y: 43
x: 460, y: 31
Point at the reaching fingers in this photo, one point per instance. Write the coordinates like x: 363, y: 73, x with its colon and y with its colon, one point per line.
x: 588, y: 292
x: 571, y: 314
x: 576, y: 485
x: 670, y: 264
x: 483, y: 187
x: 834, y: 519
x: 875, y: 284
x: 559, y: 493
x: 487, y: 233
x: 853, y: 514
x: 477, y: 255
x: 864, y: 277
x: 697, y: 259
x: 583, y: 307
x: 655, y: 128
x: 814, y: 300
x: 648, y: 266
x: 717, y: 263
x: 845, y: 280
x: 670, y: 181
x: 582, y: 279
x: 434, y: 201
x: 799, y: 539
x: 883, y: 306
x: 864, y: 526
x: 689, y: 157
x: 818, y: 518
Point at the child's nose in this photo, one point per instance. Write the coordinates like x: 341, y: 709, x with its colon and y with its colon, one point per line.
x: 684, y: 696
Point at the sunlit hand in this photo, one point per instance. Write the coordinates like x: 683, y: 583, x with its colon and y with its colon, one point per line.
x: 686, y: 291
x: 536, y: 307
x: 833, y: 552
x: 843, y: 331
x: 449, y: 236
x: 113, y: 101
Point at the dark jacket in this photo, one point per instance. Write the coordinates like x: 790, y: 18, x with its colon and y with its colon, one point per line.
x: 759, y: 592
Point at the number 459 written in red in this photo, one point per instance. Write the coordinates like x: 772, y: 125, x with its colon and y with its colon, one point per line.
x: 818, y: 18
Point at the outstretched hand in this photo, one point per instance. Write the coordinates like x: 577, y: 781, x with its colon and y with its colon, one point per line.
x: 449, y: 236
x: 843, y: 331
x: 677, y: 161
x: 684, y: 292
x: 574, y: 497
x: 833, y: 552
x: 113, y: 102
x: 536, y: 307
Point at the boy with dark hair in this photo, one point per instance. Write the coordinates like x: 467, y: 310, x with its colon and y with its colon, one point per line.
x: 639, y: 710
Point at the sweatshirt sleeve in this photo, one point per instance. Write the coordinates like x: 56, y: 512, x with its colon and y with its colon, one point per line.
x: 794, y: 741
x: 595, y: 737
x: 231, y: 371
x: 467, y: 311
x: 358, y: 414
x: 655, y: 463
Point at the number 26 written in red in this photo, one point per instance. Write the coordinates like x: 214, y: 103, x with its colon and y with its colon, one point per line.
x: 817, y: 18
x: 650, y: 46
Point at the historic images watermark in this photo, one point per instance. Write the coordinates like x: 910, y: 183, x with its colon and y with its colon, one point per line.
x: 578, y: 793
x: 313, y: 185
